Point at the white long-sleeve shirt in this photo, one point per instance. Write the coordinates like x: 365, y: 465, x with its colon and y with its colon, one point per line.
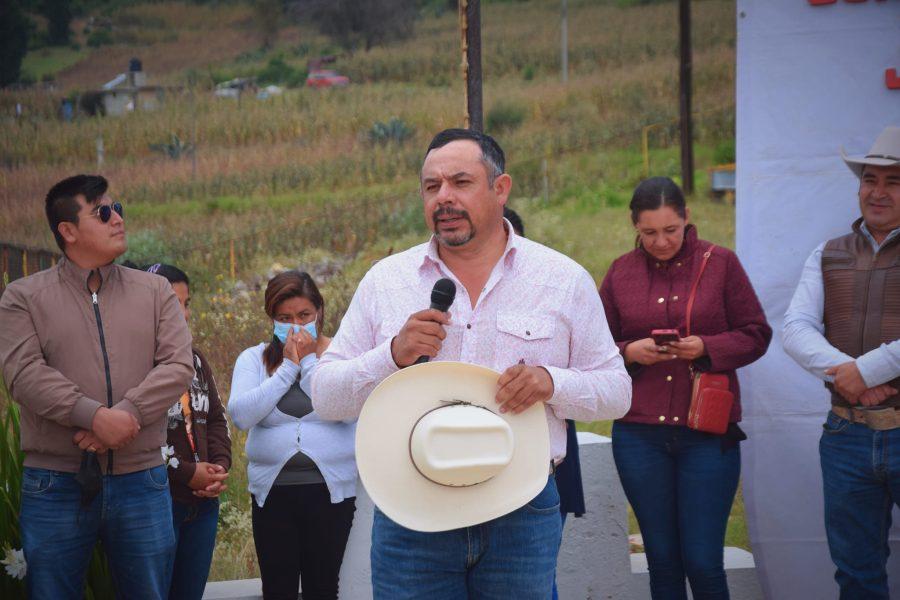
x: 538, y: 307
x: 275, y: 436
x: 804, y: 328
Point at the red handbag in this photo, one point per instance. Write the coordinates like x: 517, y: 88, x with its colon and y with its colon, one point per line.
x: 711, y: 400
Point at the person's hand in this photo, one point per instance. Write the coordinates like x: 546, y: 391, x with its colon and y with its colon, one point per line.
x: 86, y: 440
x: 305, y: 342
x: 520, y: 386
x: 114, y: 428
x: 847, y: 381
x: 646, y: 352
x: 212, y: 491
x: 689, y: 348
x: 876, y: 395
x: 291, y: 352
x: 206, y: 476
x: 421, y: 335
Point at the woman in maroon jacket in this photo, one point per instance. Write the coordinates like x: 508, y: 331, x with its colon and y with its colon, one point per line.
x: 679, y: 481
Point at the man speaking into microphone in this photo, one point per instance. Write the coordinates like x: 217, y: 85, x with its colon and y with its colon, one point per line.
x: 521, y: 309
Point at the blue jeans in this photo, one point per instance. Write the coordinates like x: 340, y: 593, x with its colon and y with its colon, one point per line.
x: 555, y: 593
x: 513, y: 556
x: 861, y: 481
x: 681, y: 486
x: 132, y: 517
x: 195, y: 538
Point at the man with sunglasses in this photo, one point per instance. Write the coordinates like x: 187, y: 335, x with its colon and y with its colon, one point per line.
x: 94, y: 353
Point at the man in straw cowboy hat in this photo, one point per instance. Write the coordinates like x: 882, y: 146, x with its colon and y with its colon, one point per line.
x: 843, y: 326
x: 456, y: 455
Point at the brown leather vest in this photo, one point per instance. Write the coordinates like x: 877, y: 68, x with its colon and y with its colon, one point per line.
x: 862, y: 298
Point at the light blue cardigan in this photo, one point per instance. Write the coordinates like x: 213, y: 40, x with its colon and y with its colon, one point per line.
x: 275, y: 437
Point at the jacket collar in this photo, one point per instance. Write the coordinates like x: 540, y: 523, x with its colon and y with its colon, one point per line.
x: 860, y: 228
x: 78, y: 276
x: 688, y: 247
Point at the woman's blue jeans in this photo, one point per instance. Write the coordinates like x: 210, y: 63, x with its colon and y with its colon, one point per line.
x: 513, y: 556
x: 195, y: 537
x: 681, y: 486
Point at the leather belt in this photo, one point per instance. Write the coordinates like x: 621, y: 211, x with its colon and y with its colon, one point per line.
x: 879, y: 419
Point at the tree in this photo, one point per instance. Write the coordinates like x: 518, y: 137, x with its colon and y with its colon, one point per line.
x: 366, y: 23
x: 13, y: 41
x: 59, y: 16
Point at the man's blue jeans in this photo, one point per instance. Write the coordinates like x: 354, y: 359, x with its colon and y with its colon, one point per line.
x: 195, y: 538
x: 681, y: 486
x: 132, y: 517
x: 513, y: 556
x: 861, y: 481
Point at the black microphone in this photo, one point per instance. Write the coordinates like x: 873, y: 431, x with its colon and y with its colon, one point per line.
x: 442, y: 295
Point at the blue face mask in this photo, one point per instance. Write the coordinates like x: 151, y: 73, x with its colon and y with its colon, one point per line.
x: 281, y: 330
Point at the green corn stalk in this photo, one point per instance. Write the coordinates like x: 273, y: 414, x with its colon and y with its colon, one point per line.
x: 99, y: 585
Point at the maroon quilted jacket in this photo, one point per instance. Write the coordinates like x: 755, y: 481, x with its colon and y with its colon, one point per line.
x: 641, y: 293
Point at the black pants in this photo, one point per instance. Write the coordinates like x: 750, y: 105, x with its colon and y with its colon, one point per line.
x: 300, y: 537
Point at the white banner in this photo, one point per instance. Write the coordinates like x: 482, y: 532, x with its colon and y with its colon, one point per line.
x: 812, y: 76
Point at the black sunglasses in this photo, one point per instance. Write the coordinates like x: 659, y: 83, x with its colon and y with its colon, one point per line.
x: 104, y: 211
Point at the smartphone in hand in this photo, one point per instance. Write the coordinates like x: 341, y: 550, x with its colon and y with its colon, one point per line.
x: 661, y: 337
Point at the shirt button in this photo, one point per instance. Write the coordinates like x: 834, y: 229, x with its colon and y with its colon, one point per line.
x: 678, y: 264
x: 661, y: 300
x: 657, y: 265
x: 468, y: 326
x: 675, y: 419
x: 668, y: 378
x: 674, y: 297
x: 662, y: 417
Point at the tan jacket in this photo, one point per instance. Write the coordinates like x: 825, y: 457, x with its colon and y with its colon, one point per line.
x: 62, y: 363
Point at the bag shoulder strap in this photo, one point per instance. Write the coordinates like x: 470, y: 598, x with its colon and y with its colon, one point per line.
x: 690, y: 302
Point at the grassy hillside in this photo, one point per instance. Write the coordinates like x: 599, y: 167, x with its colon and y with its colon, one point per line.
x: 299, y: 180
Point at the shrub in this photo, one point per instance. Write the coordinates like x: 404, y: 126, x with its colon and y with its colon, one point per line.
x: 147, y: 247
x: 504, y: 116
x: 100, y: 37
x: 174, y: 149
x: 279, y: 71
x: 528, y: 72
x: 724, y: 153
x: 394, y: 131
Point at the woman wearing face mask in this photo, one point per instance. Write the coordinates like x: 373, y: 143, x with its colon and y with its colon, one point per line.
x: 302, y: 470
x: 680, y: 481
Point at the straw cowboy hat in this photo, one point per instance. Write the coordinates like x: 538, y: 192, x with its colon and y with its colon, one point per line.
x: 435, y: 454
x: 885, y: 152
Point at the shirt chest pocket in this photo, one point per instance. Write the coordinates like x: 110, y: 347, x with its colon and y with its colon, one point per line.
x: 526, y: 336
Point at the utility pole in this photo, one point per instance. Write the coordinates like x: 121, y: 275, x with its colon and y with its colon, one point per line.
x: 564, y: 41
x: 685, y: 70
x: 470, y: 29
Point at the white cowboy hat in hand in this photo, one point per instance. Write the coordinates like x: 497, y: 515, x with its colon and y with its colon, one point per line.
x: 435, y: 453
x: 885, y: 152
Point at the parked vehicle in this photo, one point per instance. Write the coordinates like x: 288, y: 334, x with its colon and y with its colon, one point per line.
x: 325, y: 79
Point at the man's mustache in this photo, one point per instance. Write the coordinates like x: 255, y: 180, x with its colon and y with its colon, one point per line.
x: 449, y: 212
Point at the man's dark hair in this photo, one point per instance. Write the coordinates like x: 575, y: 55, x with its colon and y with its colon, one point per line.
x: 515, y: 220
x: 491, y: 152
x: 172, y: 273
x: 61, y: 204
x: 655, y: 193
